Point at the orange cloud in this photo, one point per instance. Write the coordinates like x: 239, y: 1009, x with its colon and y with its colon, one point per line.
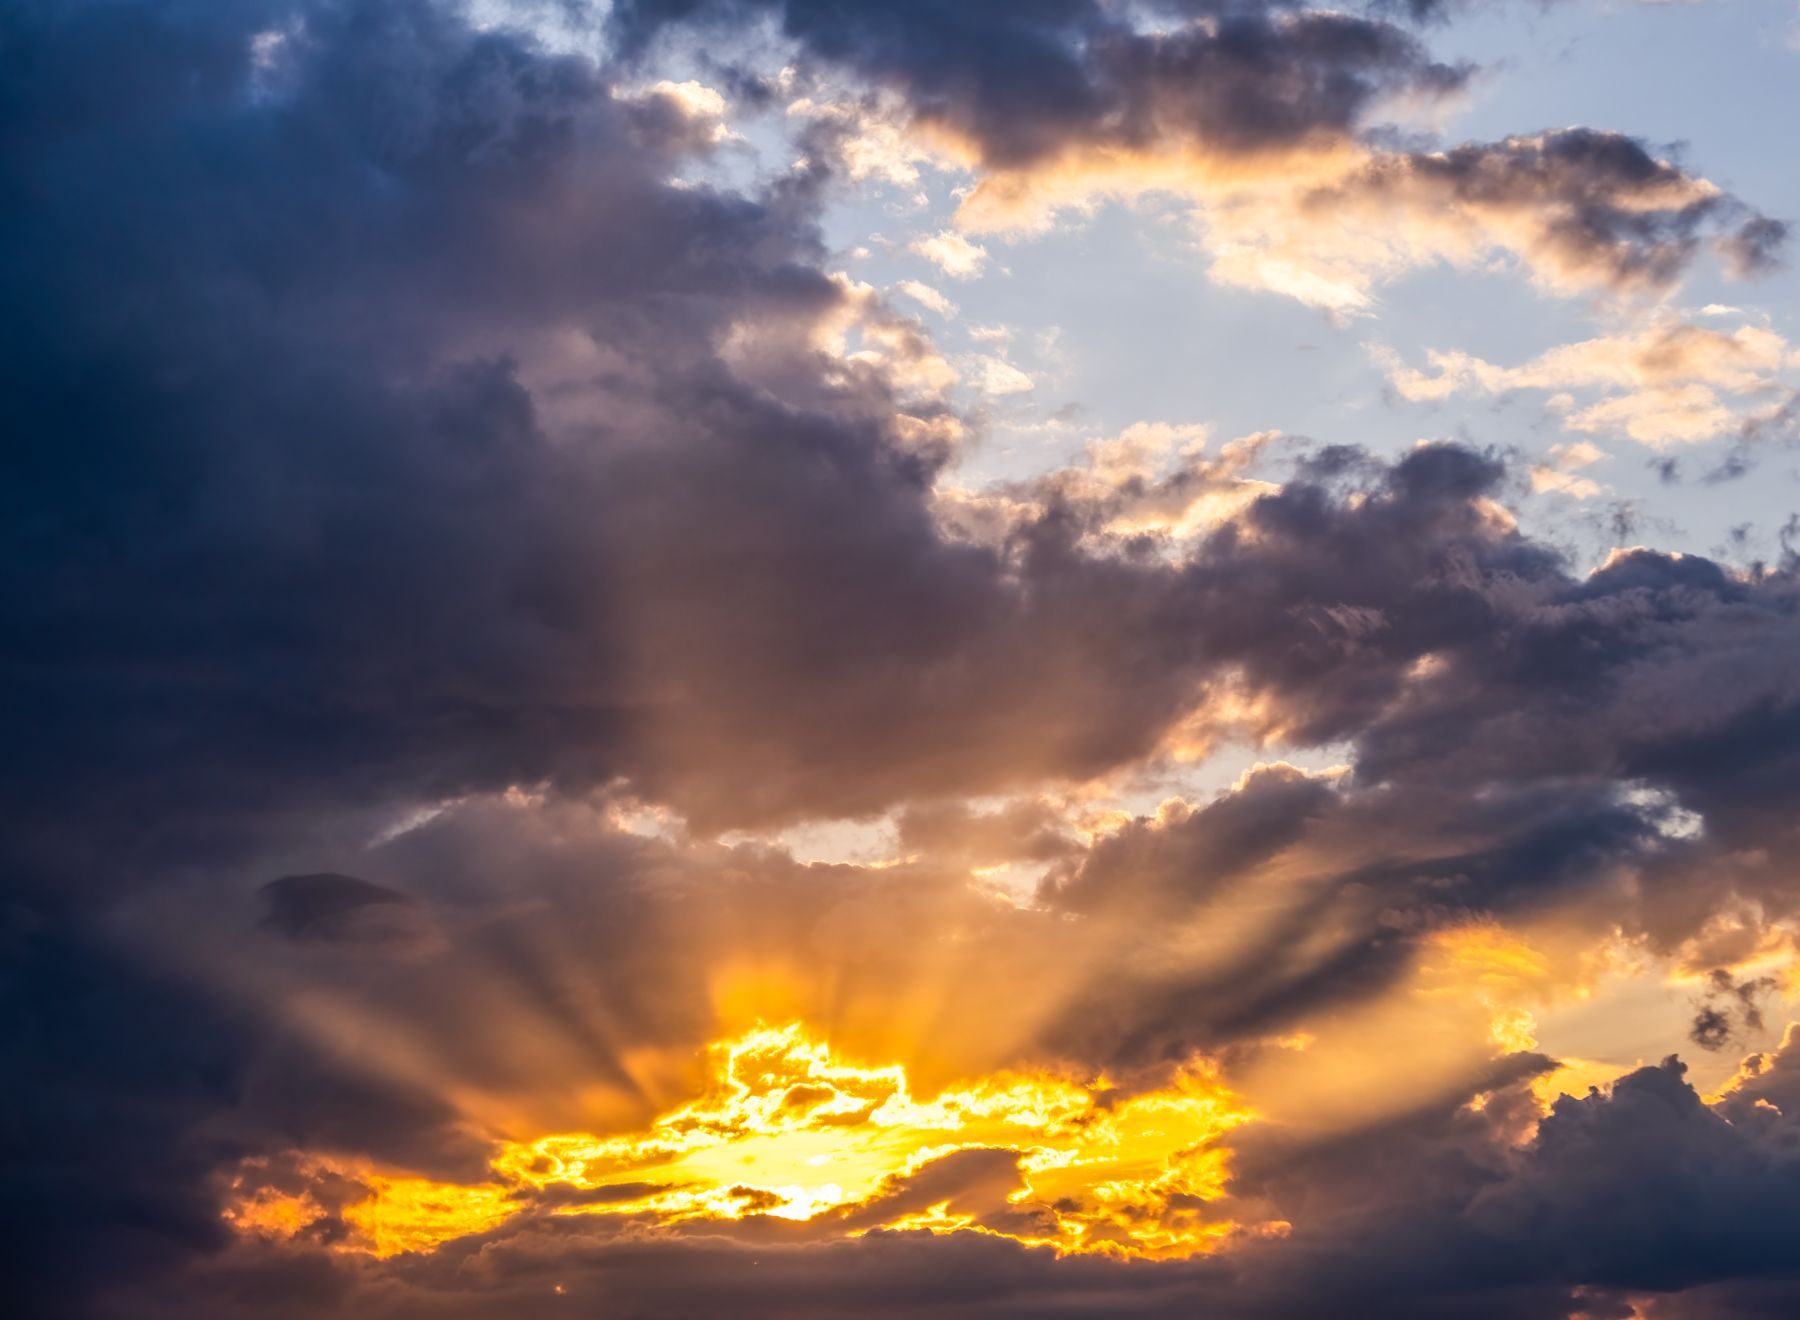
x: 785, y: 1129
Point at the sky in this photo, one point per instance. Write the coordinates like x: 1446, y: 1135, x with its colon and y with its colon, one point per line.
x: 804, y: 658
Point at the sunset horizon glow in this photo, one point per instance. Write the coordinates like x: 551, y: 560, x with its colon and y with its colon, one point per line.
x: 784, y: 1130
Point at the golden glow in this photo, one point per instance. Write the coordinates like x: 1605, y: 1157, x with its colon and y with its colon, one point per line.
x: 268, y: 1212
x: 388, y: 1215
x: 783, y: 1129
x: 1497, y: 960
x: 1498, y: 969
x: 416, y: 1214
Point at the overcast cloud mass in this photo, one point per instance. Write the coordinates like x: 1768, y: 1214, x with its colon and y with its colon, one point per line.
x: 825, y: 658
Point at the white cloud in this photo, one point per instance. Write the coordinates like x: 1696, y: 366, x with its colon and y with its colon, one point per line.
x: 926, y: 296
x: 1671, y: 381
x: 1559, y: 475
x: 997, y: 376
x: 951, y: 253
x: 875, y: 144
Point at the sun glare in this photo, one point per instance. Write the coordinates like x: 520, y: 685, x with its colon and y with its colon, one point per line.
x: 785, y: 1130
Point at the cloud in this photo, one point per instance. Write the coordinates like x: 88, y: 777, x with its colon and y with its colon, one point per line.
x: 1560, y: 473
x: 1585, y: 208
x: 951, y: 253
x: 1029, y: 829
x: 1523, y: 1218
x: 422, y: 479
x: 999, y: 377
x: 1580, y: 211
x: 1019, y: 85
x: 308, y: 906
x: 1266, y: 118
x: 926, y: 296
x: 1670, y: 381
x: 1700, y: 1190
x: 1726, y: 1002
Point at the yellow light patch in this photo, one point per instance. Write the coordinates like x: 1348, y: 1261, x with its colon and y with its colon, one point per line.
x: 784, y: 1129
x: 270, y: 1214
x: 416, y: 1214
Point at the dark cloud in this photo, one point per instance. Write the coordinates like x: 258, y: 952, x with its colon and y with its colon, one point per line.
x: 1778, y: 427
x: 285, y: 532
x: 1646, y: 1187
x: 1591, y: 207
x: 1023, y: 83
x: 1639, y: 1189
x: 1711, y: 1029
x: 1728, y: 1007
x: 111, y: 1071
x: 1181, y: 857
x: 268, y: 386
x: 1756, y: 246
x: 324, y: 906
x: 881, y: 1273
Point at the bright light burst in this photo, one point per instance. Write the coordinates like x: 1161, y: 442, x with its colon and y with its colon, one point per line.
x: 783, y: 1129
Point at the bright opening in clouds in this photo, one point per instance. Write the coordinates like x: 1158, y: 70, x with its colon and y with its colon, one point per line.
x: 796, y: 658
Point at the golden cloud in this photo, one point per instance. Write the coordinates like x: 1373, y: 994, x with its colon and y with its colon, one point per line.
x: 786, y: 1129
